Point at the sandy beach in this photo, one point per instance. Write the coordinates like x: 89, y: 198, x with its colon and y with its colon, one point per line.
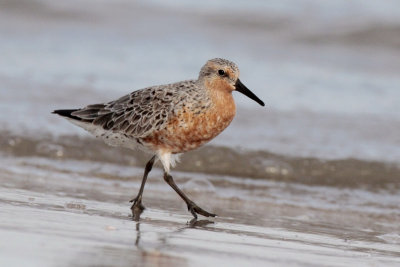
x: 51, y: 216
x: 63, y: 212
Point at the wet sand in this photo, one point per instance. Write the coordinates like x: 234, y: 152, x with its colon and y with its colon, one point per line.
x: 58, y: 212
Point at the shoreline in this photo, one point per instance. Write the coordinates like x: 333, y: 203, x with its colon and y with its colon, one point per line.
x: 216, y: 160
x: 73, y: 207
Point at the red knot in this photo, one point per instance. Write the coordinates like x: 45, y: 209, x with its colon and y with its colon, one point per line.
x: 167, y: 120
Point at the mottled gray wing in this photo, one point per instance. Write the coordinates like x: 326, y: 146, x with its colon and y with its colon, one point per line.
x: 138, y: 113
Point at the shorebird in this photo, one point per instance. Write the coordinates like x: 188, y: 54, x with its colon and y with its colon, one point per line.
x: 167, y: 120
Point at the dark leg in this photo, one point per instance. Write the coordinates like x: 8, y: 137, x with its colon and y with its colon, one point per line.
x: 192, y: 207
x: 137, y: 201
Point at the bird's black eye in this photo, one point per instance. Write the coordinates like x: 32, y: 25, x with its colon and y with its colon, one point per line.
x: 221, y: 72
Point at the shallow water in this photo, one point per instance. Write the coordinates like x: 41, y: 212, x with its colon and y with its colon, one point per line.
x: 313, y: 179
x: 73, y: 207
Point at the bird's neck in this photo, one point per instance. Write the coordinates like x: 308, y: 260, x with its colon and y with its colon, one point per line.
x: 222, y: 102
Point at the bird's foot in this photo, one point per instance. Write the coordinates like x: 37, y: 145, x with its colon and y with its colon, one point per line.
x: 194, y: 209
x: 137, y: 202
x: 137, y: 208
x: 135, y: 199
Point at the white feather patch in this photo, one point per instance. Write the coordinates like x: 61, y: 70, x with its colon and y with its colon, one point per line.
x: 167, y: 159
x: 109, y: 137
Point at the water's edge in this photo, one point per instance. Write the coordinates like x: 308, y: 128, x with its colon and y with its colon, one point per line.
x: 217, y: 160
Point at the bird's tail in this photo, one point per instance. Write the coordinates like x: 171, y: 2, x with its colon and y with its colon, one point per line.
x: 67, y: 113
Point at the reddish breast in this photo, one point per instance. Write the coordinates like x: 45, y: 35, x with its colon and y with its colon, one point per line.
x: 191, y: 128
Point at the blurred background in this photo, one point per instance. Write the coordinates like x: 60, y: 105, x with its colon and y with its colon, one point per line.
x: 328, y: 72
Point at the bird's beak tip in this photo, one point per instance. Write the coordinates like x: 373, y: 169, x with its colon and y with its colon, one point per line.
x: 244, y: 90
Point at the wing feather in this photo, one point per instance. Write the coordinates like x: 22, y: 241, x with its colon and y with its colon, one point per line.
x: 138, y: 113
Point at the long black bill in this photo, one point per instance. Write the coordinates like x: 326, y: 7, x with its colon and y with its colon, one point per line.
x: 244, y: 90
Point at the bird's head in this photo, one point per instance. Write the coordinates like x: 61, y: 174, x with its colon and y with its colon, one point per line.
x: 222, y: 74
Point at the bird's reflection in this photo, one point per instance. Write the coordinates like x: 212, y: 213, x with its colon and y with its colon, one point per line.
x: 137, y: 234
x: 192, y: 224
